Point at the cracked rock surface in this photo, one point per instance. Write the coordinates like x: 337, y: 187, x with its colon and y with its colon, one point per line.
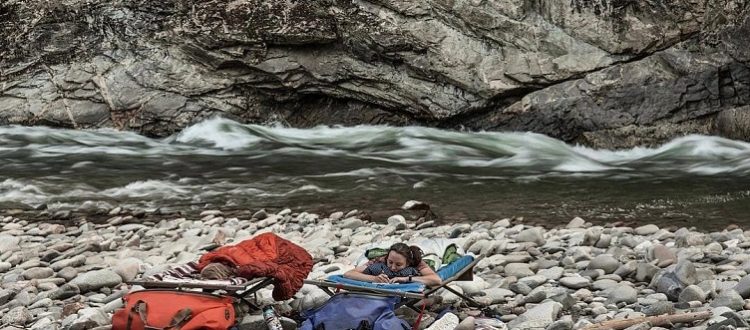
x: 606, y: 73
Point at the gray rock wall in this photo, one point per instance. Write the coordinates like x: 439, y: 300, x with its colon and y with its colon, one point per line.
x: 607, y: 73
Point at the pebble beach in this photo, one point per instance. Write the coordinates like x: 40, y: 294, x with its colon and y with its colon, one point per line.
x: 72, y: 274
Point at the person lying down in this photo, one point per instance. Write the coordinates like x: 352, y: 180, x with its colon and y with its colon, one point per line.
x: 402, y: 264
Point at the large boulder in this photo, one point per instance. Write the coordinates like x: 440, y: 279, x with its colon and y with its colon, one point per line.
x: 564, y: 68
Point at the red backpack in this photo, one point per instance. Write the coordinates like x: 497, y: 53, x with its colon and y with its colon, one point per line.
x: 173, y: 310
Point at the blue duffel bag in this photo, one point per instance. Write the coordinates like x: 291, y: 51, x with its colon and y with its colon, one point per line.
x: 354, y: 311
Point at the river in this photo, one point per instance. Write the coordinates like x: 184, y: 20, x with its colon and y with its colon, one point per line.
x: 699, y: 181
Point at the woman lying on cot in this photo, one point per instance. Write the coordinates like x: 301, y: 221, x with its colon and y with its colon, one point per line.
x: 401, y: 264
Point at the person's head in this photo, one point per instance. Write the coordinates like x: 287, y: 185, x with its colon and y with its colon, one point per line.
x: 216, y: 271
x: 401, y: 256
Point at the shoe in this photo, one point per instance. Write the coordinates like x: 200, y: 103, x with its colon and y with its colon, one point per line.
x: 449, y: 321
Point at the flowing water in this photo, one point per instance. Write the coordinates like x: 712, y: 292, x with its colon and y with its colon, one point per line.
x: 695, y: 180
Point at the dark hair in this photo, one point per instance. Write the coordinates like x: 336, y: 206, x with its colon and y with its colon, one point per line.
x: 413, y: 254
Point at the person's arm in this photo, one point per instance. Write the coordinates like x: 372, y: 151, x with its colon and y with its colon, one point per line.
x: 428, y: 276
x: 359, y: 275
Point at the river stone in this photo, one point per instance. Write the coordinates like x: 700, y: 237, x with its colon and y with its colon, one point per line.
x: 38, y: 273
x: 626, y: 269
x: 520, y: 288
x: 76, y: 261
x: 498, y: 295
x: 17, y: 316
x: 743, y: 287
x: 533, y: 281
x: 603, y: 284
x: 592, y: 236
x: 658, y: 308
x: 89, y: 318
x: 518, y: 270
x: 604, y: 241
x: 351, y: 223
x: 532, y: 235
x: 535, y: 297
x: 5, y: 266
x: 645, y: 272
x: 692, y: 293
x: 44, y: 323
x: 398, y: 221
x: 9, y: 243
x: 128, y: 268
x: 553, y: 273
x: 729, y: 298
x: 605, y: 262
x: 64, y: 292
x: 575, y: 282
x: 67, y: 273
x: 6, y: 295
x: 562, y: 324
x: 661, y: 253
x: 538, y: 317
x: 621, y: 293
x: 576, y: 223
x: 685, y: 272
x: 646, y: 229
x: 42, y: 303
x: 96, y: 279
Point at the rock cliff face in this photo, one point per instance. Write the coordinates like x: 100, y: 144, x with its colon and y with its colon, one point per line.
x: 607, y: 73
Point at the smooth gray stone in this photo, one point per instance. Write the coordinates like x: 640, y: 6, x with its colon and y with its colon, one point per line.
x: 535, y: 297
x: 533, y: 235
x: 622, y: 293
x: 743, y: 287
x: 518, y: 270
x: 605, y: 262
x: 38, y: 273
x: 575, y: 282
x: 604, y: 284
x: 729, y: 298
x: 561, y: 325
x: 540, y: 316
x: 520, y: 288
x: 9, y: 243
x: 626, y: 269
x: 692, y: 293
x: 645, y: 272
x: 646, y: 229
x: 96, y: 279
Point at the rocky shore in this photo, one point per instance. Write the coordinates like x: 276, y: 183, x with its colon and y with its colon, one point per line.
x: 72, y: 275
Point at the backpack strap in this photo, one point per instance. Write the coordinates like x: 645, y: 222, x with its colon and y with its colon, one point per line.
x: 141, y: 308
x: 419, y: 318
x: 180, y: 318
